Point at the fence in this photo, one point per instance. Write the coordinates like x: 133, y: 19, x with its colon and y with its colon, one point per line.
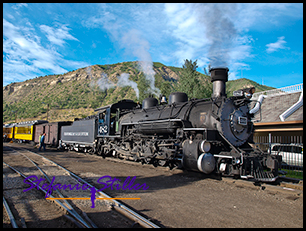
x: 280, y: 91
x: 289, y: 147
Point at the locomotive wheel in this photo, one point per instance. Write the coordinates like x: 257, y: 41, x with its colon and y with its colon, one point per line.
x: 146, y: 160
x: 162, y: 162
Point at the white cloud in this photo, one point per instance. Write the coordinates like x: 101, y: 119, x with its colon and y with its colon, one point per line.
x: 186, y: 31
x: 207, y: 32
x: 260, y: 16
x: 177, y: 31
x: 212, y: 32
x: 57, y: 35
x: 279, y: 44
x: 19, y: 5
x: 24, y: 56
x: 123, y: 33
x: 174, y: 32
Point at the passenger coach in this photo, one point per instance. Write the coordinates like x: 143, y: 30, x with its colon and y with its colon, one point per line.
x: 23, y: 131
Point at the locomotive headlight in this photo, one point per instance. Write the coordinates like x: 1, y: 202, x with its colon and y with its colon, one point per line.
x: 248, y: 95
x: 252, y: 90
x: 205, y: 146
x: 249, y: 92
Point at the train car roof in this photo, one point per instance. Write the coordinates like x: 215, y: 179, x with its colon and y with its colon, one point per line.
x: 123, y: 104
x: 30, y: 123
x: 8, y: 125
x: 59, y: 122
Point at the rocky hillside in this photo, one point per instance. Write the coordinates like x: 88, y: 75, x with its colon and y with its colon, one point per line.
x: 79, y: 92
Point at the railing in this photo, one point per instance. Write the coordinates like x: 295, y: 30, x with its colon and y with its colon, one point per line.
x: 280, y: 91
x: 291, y: 150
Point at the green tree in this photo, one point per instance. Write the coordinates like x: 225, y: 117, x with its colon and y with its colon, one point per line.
x: 143, y: 86
x: 193, y: 83
x: 166, y: 88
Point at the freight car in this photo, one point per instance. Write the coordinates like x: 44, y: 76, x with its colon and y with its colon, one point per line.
x: 31, y: 130
x: 208, y: 135
x: 52, y: 130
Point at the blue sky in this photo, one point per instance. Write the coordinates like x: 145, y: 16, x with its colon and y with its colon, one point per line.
x: 259, y: 41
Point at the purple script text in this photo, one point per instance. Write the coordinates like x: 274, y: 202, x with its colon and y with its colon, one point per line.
x: 109, y: 183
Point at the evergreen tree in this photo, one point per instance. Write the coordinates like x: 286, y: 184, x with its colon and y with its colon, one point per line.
x: 143, y: 86
x: 193, y: 83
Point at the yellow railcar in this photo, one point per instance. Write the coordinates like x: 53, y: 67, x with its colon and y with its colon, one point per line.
x: 25, y: 130
x: 8, y: 131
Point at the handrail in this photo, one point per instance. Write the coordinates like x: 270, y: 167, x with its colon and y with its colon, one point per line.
x: 280, y: 91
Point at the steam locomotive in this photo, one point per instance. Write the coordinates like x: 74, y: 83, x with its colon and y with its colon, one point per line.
x: 212, y: 135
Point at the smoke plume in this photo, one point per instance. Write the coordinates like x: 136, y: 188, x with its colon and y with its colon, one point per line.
x: 123, y: 80
x: 220, y: 30
x: 133, y: 42
x: 104, y: 83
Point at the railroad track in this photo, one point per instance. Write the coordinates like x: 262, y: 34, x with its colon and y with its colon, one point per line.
x: 30, y: 207
x: 40, y: 167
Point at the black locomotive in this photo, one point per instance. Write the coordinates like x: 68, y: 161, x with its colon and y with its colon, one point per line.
x: 208, y: 135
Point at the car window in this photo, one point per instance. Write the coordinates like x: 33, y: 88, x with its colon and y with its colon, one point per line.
x: 282, y: 148
x: 275, y: 148
x: 297, y: 149
x: 287, y: 148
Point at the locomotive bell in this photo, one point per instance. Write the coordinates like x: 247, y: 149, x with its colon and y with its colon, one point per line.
x: 219, y: 77
x: 163, y: 100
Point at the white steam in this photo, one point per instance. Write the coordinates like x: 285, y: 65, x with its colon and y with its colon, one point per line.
x: 131, y: 40
x: 123, y: 80
x: 104, y: 83
x: 135, y: 43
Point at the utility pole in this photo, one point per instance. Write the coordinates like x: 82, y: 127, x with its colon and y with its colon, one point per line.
x: 15, y: 116
x: 47, y: 109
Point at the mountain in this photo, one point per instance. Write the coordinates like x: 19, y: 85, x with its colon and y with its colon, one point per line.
x: 77, y: 93
x: 234, y: 85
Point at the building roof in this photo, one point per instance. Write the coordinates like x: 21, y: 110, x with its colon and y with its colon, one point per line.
x: 273, y: 106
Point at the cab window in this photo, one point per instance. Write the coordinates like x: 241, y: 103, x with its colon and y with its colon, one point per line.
x: 102, y: 118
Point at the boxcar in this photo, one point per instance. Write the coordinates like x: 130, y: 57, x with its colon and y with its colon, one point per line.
x: 52, y: 130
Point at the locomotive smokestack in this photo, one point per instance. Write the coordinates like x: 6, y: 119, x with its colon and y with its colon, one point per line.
x: 219, y: 77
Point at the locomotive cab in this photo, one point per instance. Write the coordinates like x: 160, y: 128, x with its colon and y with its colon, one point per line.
x: 104, y: 122
x: 108, y: 122
x: 108, y: 117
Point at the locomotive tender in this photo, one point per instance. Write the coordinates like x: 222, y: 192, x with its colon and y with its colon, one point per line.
x: 210, y: 135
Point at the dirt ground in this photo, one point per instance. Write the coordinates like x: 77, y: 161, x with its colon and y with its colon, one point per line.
x: 179, y: 199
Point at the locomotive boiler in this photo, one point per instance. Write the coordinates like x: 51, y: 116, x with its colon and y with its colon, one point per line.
x: 210, y: 135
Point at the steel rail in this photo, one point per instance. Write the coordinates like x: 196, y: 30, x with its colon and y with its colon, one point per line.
x: 70, y: 211
x: 112, y: 202
x: 59, y: 193
x: 47, y: 177
x: 10, y: 214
